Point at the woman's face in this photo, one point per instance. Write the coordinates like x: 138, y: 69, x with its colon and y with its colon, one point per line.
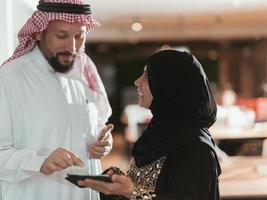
x: 144, y: 93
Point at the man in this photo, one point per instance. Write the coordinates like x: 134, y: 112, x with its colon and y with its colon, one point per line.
x: 53, y: 107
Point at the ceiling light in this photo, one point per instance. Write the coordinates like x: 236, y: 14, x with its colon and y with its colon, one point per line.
x: 137, y: 26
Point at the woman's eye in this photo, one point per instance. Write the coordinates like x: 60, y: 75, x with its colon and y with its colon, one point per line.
x: 145, y: 73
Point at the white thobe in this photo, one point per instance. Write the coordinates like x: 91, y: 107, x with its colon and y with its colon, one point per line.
x: 41, y: 110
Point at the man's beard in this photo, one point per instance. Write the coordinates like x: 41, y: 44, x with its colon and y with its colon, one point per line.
x: 58, y: 66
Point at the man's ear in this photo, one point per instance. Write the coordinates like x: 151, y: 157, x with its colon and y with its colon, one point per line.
x: 38, y: 36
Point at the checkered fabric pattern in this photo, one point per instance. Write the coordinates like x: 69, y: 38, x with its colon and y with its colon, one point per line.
x: 38, y: 22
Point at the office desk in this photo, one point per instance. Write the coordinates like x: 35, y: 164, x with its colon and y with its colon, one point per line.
x: 225, y: 133
x: 241, y: 180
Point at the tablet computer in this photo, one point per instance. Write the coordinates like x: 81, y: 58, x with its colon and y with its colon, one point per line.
x: 74, y: 178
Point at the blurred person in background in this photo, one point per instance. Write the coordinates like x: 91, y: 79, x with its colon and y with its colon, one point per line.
x: 228, y: 96
x: 175, y: 157
x: 53, y: 107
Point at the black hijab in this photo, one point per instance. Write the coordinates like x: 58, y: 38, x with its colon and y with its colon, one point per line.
x: 183, y: 106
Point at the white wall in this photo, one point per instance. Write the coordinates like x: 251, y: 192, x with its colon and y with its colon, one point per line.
x: 6, y: 30
x: 13, y: 15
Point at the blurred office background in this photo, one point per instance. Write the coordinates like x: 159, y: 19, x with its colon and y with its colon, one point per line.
x: 229, y: 37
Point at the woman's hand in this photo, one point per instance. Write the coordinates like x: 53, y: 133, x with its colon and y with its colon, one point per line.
x: 121, y: 185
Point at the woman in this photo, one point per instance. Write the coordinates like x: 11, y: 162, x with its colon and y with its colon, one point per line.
x: 175, y: 156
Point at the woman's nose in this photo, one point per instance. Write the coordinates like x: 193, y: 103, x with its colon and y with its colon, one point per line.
x: 137, y: 81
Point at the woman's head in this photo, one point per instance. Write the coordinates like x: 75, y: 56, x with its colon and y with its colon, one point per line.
x: 174, y: 84
x: 176, y: 90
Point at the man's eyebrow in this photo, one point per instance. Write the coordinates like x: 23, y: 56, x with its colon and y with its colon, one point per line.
x: 65, y: 32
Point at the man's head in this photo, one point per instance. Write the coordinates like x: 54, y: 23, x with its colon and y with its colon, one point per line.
x: 61, y: 42
x: 71, y: 12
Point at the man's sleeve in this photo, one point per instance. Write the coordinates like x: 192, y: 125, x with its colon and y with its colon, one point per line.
x: 15, y: 164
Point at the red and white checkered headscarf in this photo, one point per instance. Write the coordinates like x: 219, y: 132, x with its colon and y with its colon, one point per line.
x: 38, y: 23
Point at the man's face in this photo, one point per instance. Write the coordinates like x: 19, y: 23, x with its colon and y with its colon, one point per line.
x: 61, y: 42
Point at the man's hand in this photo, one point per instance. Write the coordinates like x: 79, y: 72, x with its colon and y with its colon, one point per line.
x: 103, y: 146
x: 58, y: 160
